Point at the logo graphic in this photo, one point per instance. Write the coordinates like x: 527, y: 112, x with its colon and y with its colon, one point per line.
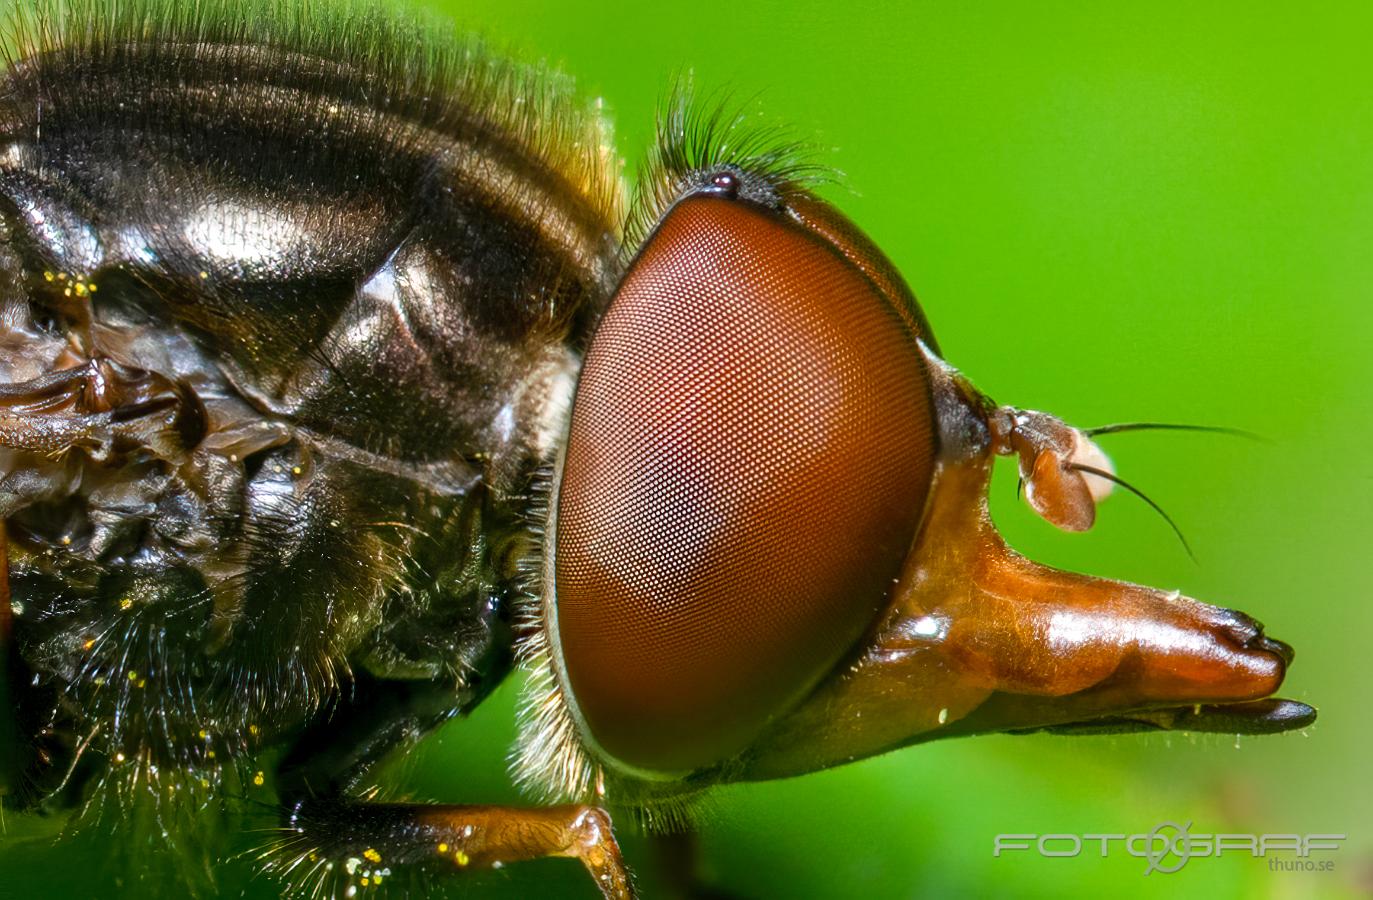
x: 1169, y: 846
x: 1178, y: 846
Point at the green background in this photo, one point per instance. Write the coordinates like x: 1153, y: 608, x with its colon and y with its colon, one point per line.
x: 1112, y: 212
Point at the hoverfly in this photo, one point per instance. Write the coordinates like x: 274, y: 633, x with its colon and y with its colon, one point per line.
x: 340, y: 378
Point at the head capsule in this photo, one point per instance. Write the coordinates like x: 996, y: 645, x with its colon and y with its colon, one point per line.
x: 769, y: 549
x: 751, y: 446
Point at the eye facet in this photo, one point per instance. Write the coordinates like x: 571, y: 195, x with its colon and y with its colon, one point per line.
x: 750, y: 450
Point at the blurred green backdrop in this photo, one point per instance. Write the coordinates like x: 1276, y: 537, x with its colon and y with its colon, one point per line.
x: 1112, y: 212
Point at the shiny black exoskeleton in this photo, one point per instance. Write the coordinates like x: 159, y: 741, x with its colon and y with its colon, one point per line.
x: 284, y: 319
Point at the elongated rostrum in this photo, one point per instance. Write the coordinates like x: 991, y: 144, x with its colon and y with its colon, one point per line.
x: 340, y: 375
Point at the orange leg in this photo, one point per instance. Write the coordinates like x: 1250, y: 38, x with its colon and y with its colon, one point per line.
x: 352, y: 844
x: 336, y: 839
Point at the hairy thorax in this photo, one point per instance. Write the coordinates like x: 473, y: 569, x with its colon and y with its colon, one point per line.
x: 272, y: 385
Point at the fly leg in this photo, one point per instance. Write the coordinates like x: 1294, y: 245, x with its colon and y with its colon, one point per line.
x: 363, y: 844
x: 337, y: 839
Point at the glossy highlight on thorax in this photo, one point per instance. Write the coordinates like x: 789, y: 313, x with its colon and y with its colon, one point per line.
x: 750, y: 449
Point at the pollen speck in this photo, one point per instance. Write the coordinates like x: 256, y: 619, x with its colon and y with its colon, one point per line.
x: 371, y: 855
x: 461, y: 858
x: 258, y: 779
x: 48, y: 276
x: 126, y: 604
x: 443, y: 848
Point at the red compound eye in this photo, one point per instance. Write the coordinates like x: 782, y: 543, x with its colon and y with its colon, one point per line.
x: 751, y: 445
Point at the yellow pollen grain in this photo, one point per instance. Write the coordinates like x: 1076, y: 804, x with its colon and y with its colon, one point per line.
x: 133, y: 676
x: 93, y: 287
x: 126, y: 604
x: 119, y: 757
x: 204, y: 734
x: 210, y: 755
x: 371, y: 855
x: 67, y: 292
x: 142, y: 682
x: 258, y: 779
x: 66, y: 540
x: 48, y: 276
x: 90, y: 642
x: 461, y: 858
x: 296, y: 470
x: 204, y: 275
x: 80, y: 289
x: 365, y: 882
x: 254, y: 730
x: 443, y: 848
x: 61, y: 276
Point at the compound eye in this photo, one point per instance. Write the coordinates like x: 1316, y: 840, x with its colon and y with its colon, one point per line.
x: 751, y: 446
